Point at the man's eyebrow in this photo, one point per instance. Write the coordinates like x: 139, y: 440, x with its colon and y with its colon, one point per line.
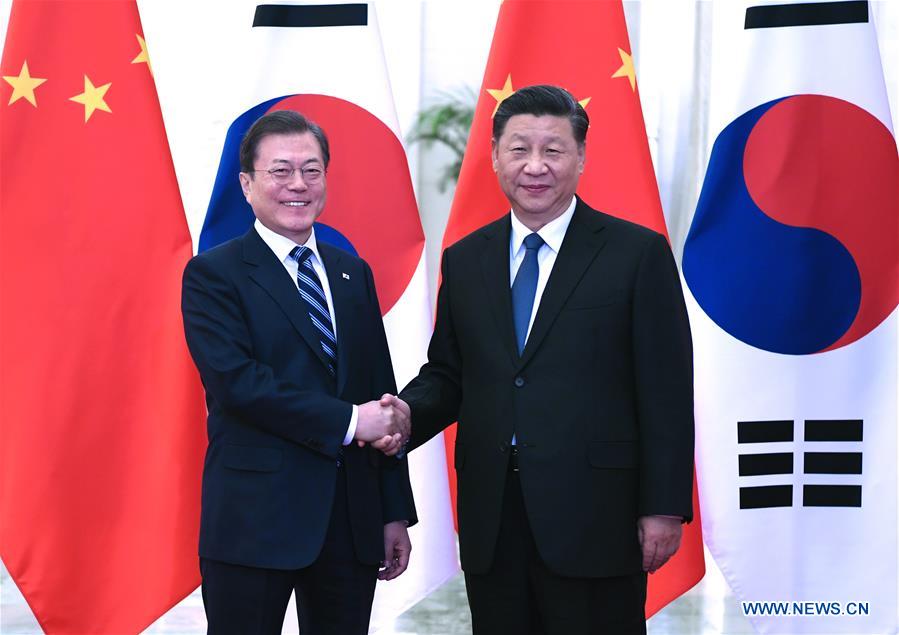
x: 306, y: 162
x: 517, y: 136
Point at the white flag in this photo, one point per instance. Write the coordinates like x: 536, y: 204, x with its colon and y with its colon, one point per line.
x: 326, y: 61
x: 792, y: 266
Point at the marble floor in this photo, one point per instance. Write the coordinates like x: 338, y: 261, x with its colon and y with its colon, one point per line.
x: 709, y: 608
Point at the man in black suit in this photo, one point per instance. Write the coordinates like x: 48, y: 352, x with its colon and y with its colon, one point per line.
x: 562, y: 347
x: 287, y: 335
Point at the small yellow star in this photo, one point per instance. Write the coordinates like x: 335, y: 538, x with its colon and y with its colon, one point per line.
x: 583, y: 102
x: 499, y: 94
x: 23, y: 86
x: 627, y: 69
x: 144, y: 55
x: 92, y: 98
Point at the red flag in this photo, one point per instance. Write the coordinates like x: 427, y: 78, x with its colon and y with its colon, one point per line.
x: 101, y: 410
x: 583, y: 47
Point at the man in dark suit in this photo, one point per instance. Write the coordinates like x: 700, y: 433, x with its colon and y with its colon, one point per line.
x: 287, y: 335
x: 562, y: 347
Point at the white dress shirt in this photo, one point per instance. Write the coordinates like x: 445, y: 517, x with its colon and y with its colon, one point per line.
x: 553, y: 233
x: 281, y: 246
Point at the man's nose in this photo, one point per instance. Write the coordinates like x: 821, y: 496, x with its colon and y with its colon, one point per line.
x: 296, y: 181
x: 535, y: 164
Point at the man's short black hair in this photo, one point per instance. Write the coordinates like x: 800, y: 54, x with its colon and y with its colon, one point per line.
x: 540, y: 100
x: 280, y: 122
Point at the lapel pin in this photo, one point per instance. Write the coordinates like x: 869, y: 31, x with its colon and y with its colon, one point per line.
x: 346, y: 276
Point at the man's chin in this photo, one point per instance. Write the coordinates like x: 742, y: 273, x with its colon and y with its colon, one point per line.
x: 539, y: 210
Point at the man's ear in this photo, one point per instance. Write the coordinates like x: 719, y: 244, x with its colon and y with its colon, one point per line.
x: 245, y: 181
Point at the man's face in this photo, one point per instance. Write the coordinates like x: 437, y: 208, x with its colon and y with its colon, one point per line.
x: 538, y: 163
x: 287, y: 206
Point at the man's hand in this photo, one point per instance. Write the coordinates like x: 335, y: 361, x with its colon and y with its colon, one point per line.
x: 402, y: 410
x: 659, y: 538
x: 404, y: 413
x: 385, y: 424
x: 401, y: 406
x: 389, y: 445
x: 397, y: 548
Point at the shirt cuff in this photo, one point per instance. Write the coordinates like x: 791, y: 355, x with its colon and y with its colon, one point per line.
x: 351, y: 430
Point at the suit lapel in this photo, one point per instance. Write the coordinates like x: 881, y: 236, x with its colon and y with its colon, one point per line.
x: 270, y: 274
x: 582, y: 242
x: 495, y: 268
x: 342, y: 297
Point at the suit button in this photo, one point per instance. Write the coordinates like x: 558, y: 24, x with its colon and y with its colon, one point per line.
x: 519, y: 382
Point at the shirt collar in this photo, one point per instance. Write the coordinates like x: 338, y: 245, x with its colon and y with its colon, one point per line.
x: 282, y: 245
x: 552, y: 233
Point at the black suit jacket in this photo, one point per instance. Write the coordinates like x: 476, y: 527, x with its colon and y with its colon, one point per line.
x: 601, y: 398
x: 276, y: 416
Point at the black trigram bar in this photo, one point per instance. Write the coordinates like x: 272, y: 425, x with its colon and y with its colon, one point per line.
x: 311, y: 15
x: 831, y: 495
x: 764, y: 431
x: 806, y: 14
x: 766, y: 496
x: 833, y: 429
x: 832, y: 463
x: 774, y: 463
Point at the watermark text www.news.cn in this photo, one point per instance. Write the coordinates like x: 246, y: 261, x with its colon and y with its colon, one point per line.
x: 751, y: 609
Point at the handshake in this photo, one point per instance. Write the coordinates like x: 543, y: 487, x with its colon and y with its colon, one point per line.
x: 386, y: 424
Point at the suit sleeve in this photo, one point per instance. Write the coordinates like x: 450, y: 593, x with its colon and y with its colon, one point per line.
x: 663, y: 366
x: 396, y: 490
x: 221, y: 346
x: 436, y: 393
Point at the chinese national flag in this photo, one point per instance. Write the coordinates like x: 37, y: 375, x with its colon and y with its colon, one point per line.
x: 583, y: 47
x: 101, y: 409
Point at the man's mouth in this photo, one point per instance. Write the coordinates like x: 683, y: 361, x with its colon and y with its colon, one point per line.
x: 295, y: 203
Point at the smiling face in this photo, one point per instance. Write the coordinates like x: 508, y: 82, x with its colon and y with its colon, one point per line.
x: 291, y: 207
x: 538, y: 164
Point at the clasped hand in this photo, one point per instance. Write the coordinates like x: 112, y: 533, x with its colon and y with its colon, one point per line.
x: 385, y: 423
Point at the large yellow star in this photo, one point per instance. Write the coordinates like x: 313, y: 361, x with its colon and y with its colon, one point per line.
x: 499, y: 94
x: 627, y: 69
x: 92, y: 98
x: 23, y: 86
x: 144, y: 55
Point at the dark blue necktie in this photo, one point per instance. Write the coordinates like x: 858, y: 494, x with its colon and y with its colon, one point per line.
x: 317, y: 304
x: 525, y: 288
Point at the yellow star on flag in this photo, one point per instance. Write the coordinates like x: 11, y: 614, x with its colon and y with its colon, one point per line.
x: 23, y: 86
x: 92, y: 98
x: 144, y: 55
x: 627, y: 69
x: 583, y: 102
x: 499, y: 94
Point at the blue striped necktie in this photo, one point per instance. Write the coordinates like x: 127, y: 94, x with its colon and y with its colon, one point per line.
x: 314, y: 296
x: 525, y: 288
